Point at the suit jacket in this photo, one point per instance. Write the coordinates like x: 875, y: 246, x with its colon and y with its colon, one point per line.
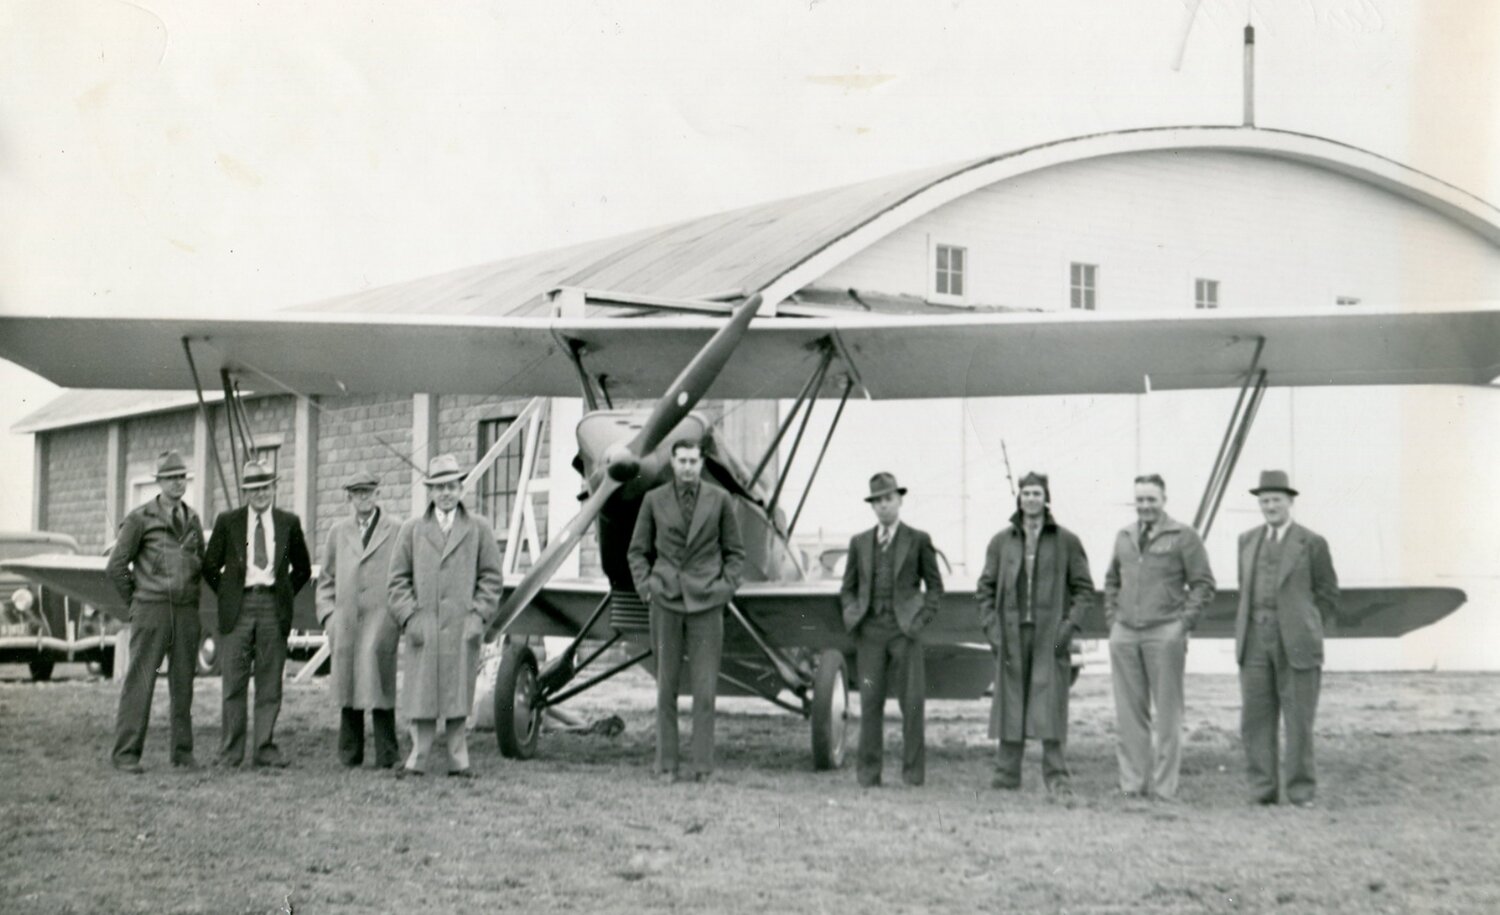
x: 687, y: 565
x: 1307, y: 596
x: 224, y: 564
x: 918, y: 582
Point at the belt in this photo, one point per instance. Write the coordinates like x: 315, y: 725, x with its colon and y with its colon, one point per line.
x: 260, y: 589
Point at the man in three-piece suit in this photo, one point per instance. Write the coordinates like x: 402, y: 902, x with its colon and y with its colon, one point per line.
x: 892, y: 588
x: 256, y: 562
x: 1288, y: 588
x: 362, y: 635
x: 685, y: 557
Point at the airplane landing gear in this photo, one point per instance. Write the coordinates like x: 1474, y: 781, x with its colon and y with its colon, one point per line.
x: 518, y: 718
x: 830, y: 710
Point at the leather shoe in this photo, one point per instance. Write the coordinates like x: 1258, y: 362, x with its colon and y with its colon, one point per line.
x: 186, y: 765
x: 404, y: 772
x: 463, y: 773
x: 1002, y: 783
x: 131, y: 768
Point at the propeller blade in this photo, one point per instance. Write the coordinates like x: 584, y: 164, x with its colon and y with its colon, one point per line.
x: 558, y: 548
x: 687, y: 389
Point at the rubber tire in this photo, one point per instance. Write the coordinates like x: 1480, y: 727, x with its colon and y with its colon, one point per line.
x: 515, y: 684
x: 106, y: 664
x: 41, y: 669
x: 830, y: 710
x: 208, y: 643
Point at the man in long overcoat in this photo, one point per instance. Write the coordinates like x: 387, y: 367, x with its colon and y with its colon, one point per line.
x: 353, y: 589
x: 445, y: 589
x: 1033, y: 595
x: 1288, y: 590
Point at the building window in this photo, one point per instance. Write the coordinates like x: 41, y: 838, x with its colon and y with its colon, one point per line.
x: 1348, y: 300
x: 1082, y: 282
x: 1205, y: 293
x: 497, y: 488
x: 949, y: 277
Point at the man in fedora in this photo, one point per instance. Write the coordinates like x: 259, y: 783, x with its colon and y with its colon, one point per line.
x: 256, y: 562
x: 156, y: 564
x: 685, y: 557
x: 1158, y: 583
x: 444, y: 589
x: 1033, y: 596
x: 353, y: 585
x: 1288, y: 589
x: 892, y: 588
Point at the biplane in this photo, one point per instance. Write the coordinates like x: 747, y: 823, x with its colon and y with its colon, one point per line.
x: 785, y: 642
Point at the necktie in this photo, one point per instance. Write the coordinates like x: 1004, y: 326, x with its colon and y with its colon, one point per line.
x: 177, y: 521
x: 689, y: 502
x: 261, y: 560
x: 445, y: 521
x: 1145, y: 538
x: 885, y: 537
x: 364, y: 539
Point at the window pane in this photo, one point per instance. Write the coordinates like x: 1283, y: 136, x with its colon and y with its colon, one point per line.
x: 942, y: 282
x: 1075, y: 272
x: 942, y: 257
x: 1076, y: 298
x: 1088, y: 299
x: 956, y: 284
x: 956, y: 259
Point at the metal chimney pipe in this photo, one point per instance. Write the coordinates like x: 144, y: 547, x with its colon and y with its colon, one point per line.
x: 1249, y: 75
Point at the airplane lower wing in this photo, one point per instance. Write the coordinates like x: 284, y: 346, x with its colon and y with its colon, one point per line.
x: 971, y: 355
x: 807, y: 616
x: 83, y: 578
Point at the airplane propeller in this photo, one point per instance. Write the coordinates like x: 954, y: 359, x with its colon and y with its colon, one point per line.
x: 623, y: 461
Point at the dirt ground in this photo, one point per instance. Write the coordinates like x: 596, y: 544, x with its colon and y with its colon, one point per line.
x: 1410, y: 794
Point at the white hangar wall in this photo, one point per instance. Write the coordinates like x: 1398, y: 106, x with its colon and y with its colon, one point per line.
x: 1275, y: 233
x: 1402, y: 481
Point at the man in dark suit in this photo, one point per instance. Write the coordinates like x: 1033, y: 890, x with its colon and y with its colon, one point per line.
x: 685, y: 557
x: 1288, y: 588
x: 892, y: 589
x: 256, y: 562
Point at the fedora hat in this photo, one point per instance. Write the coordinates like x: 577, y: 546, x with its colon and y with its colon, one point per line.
x: 443, y: 469
x: 169, y: 465
x: 883, y: 484
x: 256, y: 476
x: 362, y: 479
x: 1274, y: 481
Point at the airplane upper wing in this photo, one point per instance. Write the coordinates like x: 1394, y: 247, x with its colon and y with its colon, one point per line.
x: 1030, y: 353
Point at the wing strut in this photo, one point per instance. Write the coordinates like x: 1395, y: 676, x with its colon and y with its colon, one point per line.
x: 208, y: 423
x: 809, y: 389
x: 811, y: 401
x: 1235, y: 434
x: 827, y: 440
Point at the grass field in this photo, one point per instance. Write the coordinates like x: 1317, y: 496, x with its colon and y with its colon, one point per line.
x: 1410, y: 798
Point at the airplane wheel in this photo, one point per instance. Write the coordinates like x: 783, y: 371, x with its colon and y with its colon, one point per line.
x: 830, y: 710
x: 104, y: 665
x: 41, y: 669
x: 208, y: 655
x: 517, y: 723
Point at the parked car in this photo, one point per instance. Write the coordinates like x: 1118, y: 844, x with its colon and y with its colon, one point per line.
x: 40, y: 626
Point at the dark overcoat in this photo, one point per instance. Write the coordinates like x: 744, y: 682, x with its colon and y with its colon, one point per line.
x: 438, y: 585
x: 1064, y: 593
x: 353, y: 589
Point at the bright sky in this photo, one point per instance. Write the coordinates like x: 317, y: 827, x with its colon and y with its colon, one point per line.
x: 236, y: 157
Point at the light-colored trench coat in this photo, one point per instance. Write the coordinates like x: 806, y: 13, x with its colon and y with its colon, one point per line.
x: 352, y: 589
x: 438, y: 586
x: 1064, y: 592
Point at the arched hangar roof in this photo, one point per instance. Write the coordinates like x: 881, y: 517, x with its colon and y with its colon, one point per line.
x: 781, y: 246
